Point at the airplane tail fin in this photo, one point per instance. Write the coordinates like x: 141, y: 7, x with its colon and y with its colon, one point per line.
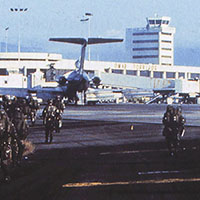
x: 84, y: 41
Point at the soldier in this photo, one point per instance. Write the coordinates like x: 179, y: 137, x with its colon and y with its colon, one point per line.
x: 14, y: 103
x: 60, y: 108
x: 33, y: 107
x: 180, y: 122
x: 59, y: 104
x: 21, y: 127
x: 174, y: 126
x: 167, y: 119
x: 5, y: 100
x: 5, y: 145
x: 49, y: 114
x: 58, y: 121
x: 7, y: 104
x: 20, y: 123
x: 24, y: 107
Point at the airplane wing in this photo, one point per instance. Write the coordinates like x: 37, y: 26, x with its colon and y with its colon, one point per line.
x: 19, y: 92
x: 43, y: 93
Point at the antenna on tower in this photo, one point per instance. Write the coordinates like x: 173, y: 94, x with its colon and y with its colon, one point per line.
x: 155, y: 15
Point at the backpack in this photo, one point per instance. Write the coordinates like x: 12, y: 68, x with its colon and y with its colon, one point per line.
x: 50, y: 111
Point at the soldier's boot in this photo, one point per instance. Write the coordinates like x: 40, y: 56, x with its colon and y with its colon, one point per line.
x: 57, y: 129
x: 14, y: 157
x: 51, y: 138
x: 6, y: 176
x: 20, y: 153
x: 46, y: 137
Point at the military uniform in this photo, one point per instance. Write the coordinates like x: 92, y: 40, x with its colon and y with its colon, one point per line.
x: 5, y: 144
x: 60, y: 108
x: 167, y: 120
x: 180, y: 122
x: 49, y: 118
x: 33, y: 107
x: 59, y: 104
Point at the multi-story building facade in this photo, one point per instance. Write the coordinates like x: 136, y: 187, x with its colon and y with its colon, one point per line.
x: 153, y: 44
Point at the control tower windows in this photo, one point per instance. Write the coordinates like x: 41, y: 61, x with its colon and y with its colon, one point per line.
x: 165, y: 22
x: 158, y: 22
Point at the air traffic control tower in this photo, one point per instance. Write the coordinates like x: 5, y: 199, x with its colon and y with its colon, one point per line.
x: 152, y: 44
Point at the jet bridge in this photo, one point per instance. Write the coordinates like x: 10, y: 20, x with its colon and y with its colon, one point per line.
x: 134, y: 82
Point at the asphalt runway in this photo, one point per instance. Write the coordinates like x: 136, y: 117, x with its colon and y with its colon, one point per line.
x: 109, y: 152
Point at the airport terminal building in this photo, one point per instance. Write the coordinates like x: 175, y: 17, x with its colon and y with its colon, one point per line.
x: 151, y: 44
x: 129, y: 73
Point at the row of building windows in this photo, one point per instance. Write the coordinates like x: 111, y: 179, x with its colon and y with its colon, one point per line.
x: 151, y: 33
x: 166, y: 33
x: 143, y: 73
x: 145, y: 49
x: 150, y: 48
x: 151, y: 41
x: 145, y: 56
x: 163, y: 56
x: 167, y: 64
x: 146, y: 73
x: 8, y: 59
x: 145, y: 41
x: 148, y: 33
x: 166, y: 41
x: 158, y: 21
x: 166, y: 49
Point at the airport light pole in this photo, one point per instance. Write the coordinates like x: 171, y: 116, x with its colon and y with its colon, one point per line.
x: 86, y: 18
x: 6, y: 37
x: 19, y: 11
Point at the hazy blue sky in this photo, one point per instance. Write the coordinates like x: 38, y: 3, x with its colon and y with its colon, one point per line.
x: 49, y: 18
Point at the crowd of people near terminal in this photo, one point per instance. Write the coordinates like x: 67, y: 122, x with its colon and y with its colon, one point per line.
x: 16, y: 115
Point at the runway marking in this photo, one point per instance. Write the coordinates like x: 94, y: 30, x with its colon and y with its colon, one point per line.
x: 129, y: 152
x: 120, y: 152
x: 158, y: 172
x: 163, y: 181
x: 143, y: 151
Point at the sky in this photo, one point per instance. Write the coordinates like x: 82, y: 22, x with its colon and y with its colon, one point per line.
x: 61, y: 18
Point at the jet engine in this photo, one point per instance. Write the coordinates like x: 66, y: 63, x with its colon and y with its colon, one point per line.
x: 96, y: 81
x: 62, y: 81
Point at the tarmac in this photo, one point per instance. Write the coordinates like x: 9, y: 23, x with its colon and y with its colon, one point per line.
x: 152, y: 113
x: 111, y: 151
